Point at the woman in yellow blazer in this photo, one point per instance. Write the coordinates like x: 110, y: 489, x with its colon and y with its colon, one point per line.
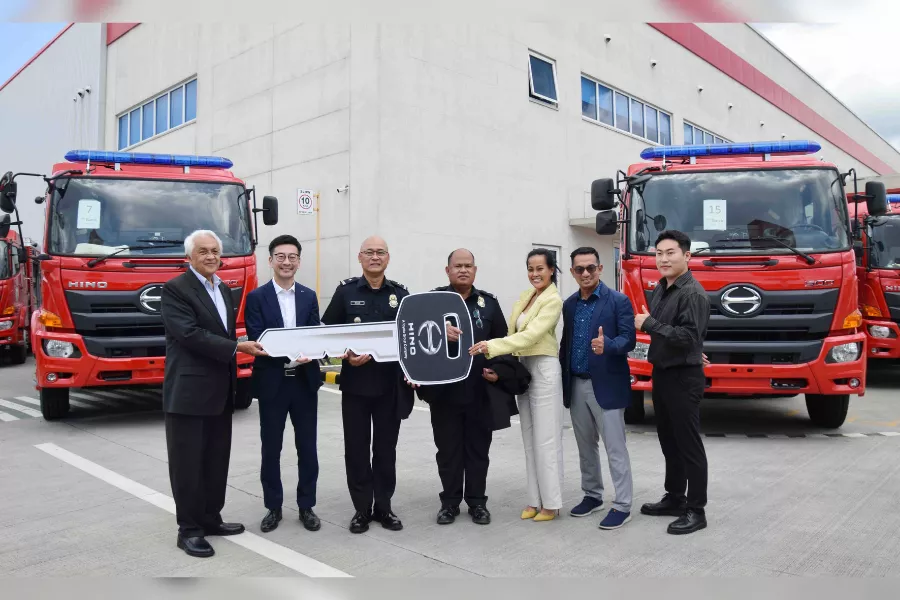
x: 532, y: 337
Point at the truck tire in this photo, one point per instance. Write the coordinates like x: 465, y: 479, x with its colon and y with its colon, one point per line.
x: 19, y: 354
x: 827, y: 411
x: 634, y: 414
x: 243, y: 397
x: 54, y: 403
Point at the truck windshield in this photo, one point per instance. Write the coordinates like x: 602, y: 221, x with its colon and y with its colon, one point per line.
x: 743, y: 212
x: 97, y: 216
x: 5, y: 267
x: 886, y: 242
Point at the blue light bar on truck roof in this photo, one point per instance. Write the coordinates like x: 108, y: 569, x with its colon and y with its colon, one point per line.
x: 143, y: 158
x: 739, y: 149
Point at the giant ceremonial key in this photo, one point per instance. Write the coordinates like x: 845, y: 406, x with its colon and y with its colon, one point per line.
x: 417, y: 339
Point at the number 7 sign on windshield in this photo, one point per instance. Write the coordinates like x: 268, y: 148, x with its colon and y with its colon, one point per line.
x: 714, y: 215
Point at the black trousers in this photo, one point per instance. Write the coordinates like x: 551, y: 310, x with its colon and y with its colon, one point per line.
x: 371, y: 429
x: 676, y: 400
x: 292, y: 397
x: 462, y: 434
x: 199, y: 450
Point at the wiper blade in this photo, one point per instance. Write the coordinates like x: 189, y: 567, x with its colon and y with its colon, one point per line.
x: 156, y: 241
x: 769, y: 238
x: 96, y: 261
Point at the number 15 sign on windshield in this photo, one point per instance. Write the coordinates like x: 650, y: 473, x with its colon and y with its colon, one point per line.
x: 305, y: 202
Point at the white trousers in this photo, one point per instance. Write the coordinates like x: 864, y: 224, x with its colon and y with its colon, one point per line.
x: 541, y: 418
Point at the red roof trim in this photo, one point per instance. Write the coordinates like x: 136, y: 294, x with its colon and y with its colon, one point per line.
x: 39, y: 52
x: 116, y: 30
x: 706, y: 47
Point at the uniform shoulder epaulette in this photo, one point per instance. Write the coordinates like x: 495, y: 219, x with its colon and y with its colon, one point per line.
x: 441, y: 288
x: 397, y: 284
x: 489, y: 294
x: 349, y: 280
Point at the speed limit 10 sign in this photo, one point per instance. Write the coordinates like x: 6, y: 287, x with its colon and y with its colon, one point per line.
x: 305, y: 202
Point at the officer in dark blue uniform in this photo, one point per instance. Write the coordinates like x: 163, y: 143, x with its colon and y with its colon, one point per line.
x: 461, y: 416
x: 370, y: 407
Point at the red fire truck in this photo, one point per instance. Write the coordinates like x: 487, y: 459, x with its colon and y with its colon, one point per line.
x: 878, y: 268
x: 115, y: 224
x: 15, y: 293
x: 771, y: 244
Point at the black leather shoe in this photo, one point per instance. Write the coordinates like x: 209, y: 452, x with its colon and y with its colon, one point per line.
x: 195, y: 546
x: 226, y: 529
x: 270, y: 521
x: 447, y: 515
x: 360, y: 522
x: 388, y: 520
x: 480, y: 514
x: 689, y: 522
x: 669, y: 506
x: 309, y: 519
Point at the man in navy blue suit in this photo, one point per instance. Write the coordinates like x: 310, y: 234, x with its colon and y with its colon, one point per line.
x: 598, y: 334
x: 285, y: 387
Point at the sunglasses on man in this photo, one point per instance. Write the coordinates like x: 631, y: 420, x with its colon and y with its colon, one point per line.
x: 589, y: 268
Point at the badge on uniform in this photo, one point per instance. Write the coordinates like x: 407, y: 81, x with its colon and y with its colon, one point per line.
x: 481, y: 301
x: 392, y: 300
x: 357, y: 320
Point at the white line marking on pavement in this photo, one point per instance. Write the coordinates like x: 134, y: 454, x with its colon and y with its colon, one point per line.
x: 22, y: 409
x: 889, y: 433
x: 289, y: 558
x: 118, y: 396
x: 426, y: 409
x: 854, y: 435
x: 37, y: 402
x: 6, y: 417
x: 329, y: 390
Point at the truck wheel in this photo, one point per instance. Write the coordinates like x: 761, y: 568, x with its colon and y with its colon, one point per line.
x: 827, y: 411
x: 54, y: 403
x: 19, y: 355
x: 634, y: 414
x: 243, y: 397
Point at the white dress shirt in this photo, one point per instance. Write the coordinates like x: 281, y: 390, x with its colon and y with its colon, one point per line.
x: 287, y: 302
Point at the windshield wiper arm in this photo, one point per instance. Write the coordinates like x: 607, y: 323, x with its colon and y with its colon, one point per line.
x: 153, y: 241
x: 96, y: 261
x: 769, y: 238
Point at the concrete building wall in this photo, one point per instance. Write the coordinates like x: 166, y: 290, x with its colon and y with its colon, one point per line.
x: 40, y: 119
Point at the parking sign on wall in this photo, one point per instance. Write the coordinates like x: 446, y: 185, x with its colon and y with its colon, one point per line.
x: 305, y: 202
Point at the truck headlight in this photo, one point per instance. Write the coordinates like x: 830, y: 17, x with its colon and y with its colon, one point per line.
x: 4, y: 325
x: 640, y: 351
x: 844, y: 353
x: 879, y: 331
x: 58, y: 349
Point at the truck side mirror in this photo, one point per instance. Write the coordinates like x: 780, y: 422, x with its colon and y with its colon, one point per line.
x: 603, y: 194
x: 270, y: 210
x: 8, y: 196
x: 4, y: 225
x: 876, y: 201
x: 607, y: 222
x: 858, y: 250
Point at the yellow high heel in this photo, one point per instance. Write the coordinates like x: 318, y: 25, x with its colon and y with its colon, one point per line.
x: 529, y: 513
x: 545, y: 517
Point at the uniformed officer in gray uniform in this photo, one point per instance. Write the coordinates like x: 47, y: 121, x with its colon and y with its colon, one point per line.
x: 461, y: 416
x: 369, y: 404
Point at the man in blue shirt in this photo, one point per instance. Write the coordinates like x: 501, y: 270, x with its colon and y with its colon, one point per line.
x: 598, y: 334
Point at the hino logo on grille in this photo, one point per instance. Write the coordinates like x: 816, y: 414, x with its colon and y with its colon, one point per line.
x: 741, y: 301
x: 88, y: 285
x: 151, y: 299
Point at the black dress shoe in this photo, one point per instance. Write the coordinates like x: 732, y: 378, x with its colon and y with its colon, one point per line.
x: 447, y: 515
x: 309, y: 519
x: 669, y: 506
x: 691, y: 521
x: 226, y: 529
x: 270, y: 521
x: 360, y: 522
x: 388, y: 520
x: 195, y: 546
x: 480, y: 514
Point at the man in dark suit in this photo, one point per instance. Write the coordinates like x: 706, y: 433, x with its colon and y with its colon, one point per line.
x: 198, y: 392
x: 285, y: 387
x: 598, y: 334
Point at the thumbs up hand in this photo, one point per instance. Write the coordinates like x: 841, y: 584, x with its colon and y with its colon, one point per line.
x: 597, y: 342
x: 640, y: 318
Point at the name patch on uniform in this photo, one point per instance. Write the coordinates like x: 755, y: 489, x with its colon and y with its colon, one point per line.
x: 357, y: 303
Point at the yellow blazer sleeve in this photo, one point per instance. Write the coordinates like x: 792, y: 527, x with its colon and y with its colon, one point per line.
x: 541, y: 324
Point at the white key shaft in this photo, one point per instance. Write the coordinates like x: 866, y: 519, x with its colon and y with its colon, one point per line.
x: 376, y: 339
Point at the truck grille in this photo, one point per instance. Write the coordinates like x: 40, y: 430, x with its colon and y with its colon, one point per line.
x: 114, y: 325
x: 893, y: 302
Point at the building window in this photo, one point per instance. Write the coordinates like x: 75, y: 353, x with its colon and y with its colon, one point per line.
x: 696, y: 135
x: 156, y: 116
x: 542, y: 78
x: 605, y: 105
